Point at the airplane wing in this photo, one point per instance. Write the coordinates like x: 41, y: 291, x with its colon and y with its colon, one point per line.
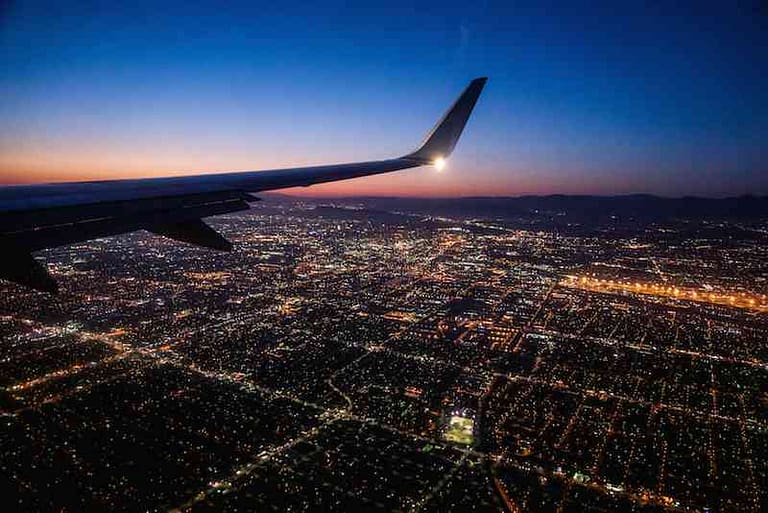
x: 34, y: 217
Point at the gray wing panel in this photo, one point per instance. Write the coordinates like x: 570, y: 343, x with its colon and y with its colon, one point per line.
x: 26, y: 198
x: 38, y: 217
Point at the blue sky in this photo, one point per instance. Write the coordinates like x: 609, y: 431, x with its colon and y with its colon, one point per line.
x: 580, y: 99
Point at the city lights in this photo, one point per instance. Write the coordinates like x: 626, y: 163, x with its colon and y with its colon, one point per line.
x: 349, y: 358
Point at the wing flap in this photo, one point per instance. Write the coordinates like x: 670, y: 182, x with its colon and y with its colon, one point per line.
x: 95, y: 204
x: 193, y: 231
x: 116, y: 222
x: 20, y: 267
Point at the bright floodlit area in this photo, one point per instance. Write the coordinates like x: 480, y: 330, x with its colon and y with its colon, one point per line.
x: 459, y: 430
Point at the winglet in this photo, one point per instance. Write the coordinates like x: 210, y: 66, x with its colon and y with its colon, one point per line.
x: 441, y: 140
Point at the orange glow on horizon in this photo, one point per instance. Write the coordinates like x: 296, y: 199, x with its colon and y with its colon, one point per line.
x: 28, y: 166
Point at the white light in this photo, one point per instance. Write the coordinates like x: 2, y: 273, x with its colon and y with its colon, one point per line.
x: 439, y: 163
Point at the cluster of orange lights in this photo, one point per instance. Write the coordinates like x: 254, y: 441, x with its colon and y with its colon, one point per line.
x: 736, y: 299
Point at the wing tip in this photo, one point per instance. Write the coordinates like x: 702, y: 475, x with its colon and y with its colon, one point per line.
x: 442, y: 139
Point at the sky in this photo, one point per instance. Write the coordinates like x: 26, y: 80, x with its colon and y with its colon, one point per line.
x: 581, y: 99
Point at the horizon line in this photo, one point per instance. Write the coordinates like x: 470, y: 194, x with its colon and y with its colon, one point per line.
x: 519, y: 196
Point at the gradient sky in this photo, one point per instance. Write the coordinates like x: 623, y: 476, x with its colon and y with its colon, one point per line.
x: 579, y: 100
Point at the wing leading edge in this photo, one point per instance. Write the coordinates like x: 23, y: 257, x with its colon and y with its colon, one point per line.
x: 44, y: 216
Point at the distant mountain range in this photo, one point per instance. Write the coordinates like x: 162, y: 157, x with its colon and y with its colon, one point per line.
x: 634, y: 207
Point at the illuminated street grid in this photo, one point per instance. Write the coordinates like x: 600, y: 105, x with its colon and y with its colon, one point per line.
x: 336, y: 360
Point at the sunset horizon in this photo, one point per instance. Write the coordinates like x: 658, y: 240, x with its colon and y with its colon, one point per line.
x: 646, y: 100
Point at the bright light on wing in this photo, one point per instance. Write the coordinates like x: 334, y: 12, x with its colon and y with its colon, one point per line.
x: 439, y: 163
